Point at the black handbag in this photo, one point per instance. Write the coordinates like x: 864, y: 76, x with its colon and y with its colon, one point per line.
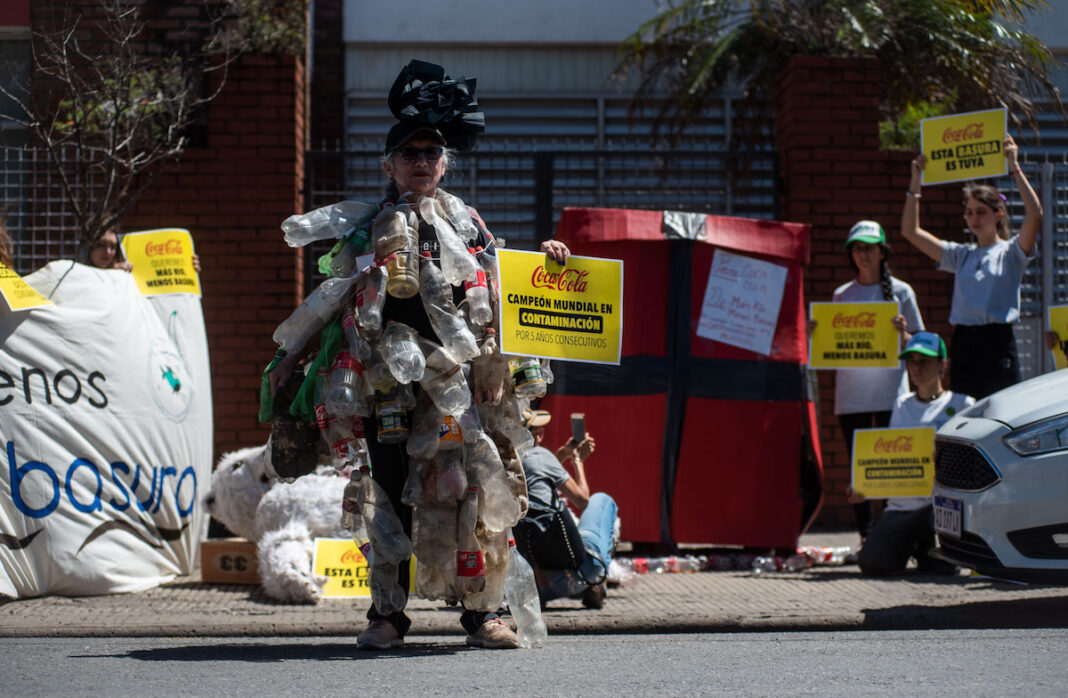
x: 294, y: 442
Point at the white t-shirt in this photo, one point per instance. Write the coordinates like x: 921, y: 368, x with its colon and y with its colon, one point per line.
x: 910, y: 411
x: 987, y: 284
x: 874, y: 389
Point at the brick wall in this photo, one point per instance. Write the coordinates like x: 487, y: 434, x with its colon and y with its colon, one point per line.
x: 232, y: 195
x: 834, y: 174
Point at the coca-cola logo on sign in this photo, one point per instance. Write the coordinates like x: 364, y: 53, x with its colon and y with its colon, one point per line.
x: 571, y: 280
x: 158, y: 248
x: 970, y: 132
x: 841, y: 320
x: 902, y: 444
x: 351, y: 557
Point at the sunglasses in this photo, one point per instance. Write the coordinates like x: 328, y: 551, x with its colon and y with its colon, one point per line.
x: 412, y: 155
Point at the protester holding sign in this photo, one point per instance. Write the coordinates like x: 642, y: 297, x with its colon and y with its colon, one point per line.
x: 986, y: 291
x: 863, y: 397
x: 906, y: 528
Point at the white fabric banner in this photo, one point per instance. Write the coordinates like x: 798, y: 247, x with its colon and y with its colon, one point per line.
x: 106, y: 426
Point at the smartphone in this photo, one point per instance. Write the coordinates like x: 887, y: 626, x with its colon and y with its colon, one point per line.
x: 578, y: 427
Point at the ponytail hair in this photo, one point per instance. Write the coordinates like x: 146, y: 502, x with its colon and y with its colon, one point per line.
x: 990, y: 196
x: 884, y: 280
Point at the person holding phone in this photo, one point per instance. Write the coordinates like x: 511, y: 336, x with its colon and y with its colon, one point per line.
x: 569, y: 557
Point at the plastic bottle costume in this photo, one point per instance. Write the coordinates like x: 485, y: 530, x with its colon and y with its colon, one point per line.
x: 406, y: 342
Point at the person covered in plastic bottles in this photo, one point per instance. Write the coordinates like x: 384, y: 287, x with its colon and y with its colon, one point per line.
x: 411, y: 337
x: 570, y: 558
x: 906, y: 527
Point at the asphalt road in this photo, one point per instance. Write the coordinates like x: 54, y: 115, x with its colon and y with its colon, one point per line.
x: 942, y: 663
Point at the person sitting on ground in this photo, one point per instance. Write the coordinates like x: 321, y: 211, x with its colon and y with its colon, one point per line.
x: 906, y: 528
x: 569, y: 558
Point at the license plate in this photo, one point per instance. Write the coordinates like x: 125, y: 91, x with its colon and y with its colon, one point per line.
x: 947, y: 516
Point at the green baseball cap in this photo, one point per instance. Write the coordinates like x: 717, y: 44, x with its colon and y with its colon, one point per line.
x: 926, y: 343
x: 866, y: 231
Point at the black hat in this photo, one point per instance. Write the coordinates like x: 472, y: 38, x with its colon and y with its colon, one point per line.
x: 424, y: 98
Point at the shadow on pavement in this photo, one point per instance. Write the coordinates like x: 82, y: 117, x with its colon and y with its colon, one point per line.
x: 264, y: 652
x: 1046, y: 612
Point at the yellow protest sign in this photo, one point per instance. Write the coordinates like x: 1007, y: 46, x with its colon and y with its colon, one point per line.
x: 854, y: 335
x: 345, y: 568
x: 963, y: 146
x: 19, y: 294
x: 572, y: 312
x: 1058, y: 322
x: 162, y: 261
x: 893, y: 462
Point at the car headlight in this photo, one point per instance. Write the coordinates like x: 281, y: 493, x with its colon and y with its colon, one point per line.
x: 1041, y: 437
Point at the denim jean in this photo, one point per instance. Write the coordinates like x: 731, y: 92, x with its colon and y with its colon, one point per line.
x: 596, y: 527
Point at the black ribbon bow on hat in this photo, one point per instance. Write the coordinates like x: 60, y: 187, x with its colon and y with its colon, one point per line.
x: 423, y: 97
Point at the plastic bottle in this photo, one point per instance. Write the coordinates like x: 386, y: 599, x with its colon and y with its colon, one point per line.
x: 344, y: 388
x: 477, y: 294
x: 389, y: 232
x: 403, y: 268
x: 456, y: 263
x: 358, y: 346
x: 456, y: 213
x: 310, y: 316
x: 495, y: 556
x: 338, y: 434
x: 443, y: 379
x: 390, y: 543
x: 327, y: 222
x: 499, y: 509
x: 527, y: 376
x: 370, y: 297
x: 521, y: 591
x: 343, y: 263
x: 470, y: 567
x: 434, y: 543
x: 424, y: 439
x: 451, y: 481
x: 402, y: 353
x: 447, y: 323
x: 391, y: 412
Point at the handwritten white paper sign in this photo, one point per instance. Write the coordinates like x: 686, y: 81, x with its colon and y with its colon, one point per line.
x: 742, y: 300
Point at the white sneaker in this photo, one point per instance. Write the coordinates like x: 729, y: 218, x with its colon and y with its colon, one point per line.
x: 379, y: 635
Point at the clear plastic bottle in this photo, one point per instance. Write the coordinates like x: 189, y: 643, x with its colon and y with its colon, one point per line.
x: 477, y: 293
x: 444, y: 380
x: 344, y: 388
x: 358, y: 346
x: 456, y: 263
x: 423, y: 440
x: 370, y: 297
x: 310, y: 316
x: 521, y: 591
x: 456, y: 213
x: 434, y: 542
x: 495, y: 556
x: 402, y: 353
x: 470, y: 567
x: 331, y: 221
x: 499, y: 509
x: 338, y: 434
x: 451, y: 480
x: 448, y: 324
x: 390, y: 543
x: 343, y: 263
x: 527, y: 376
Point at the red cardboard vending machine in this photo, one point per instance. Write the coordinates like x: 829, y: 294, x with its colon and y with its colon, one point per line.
x: 698, y: 441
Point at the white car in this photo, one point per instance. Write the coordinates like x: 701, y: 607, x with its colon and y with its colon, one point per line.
x: 1001, y: 483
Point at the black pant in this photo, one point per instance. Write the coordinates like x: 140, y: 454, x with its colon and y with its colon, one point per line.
x: 898, y: 536
x: 849, y: 423
x: 982, y: 359
x: 389, y: 468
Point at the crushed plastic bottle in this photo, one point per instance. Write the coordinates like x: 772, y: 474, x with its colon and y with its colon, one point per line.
x: 456, y: 263
x: 477, y: 294
x: 456, y: 213
x: 388, y: 540
x: 345, y: 387
x: 470, y: 566
x: 317, y: 309
x: 448, y: 325
x: 495, y: 556
x: 444, y: 380
x: 499, y: 508
x: 370, y: 297
x: 331, y: 221
x: 358, y: 346
x: 426, y: 419
x: 521, y: 592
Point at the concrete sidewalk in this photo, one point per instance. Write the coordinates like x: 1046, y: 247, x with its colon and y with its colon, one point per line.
x: 828, y: 598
